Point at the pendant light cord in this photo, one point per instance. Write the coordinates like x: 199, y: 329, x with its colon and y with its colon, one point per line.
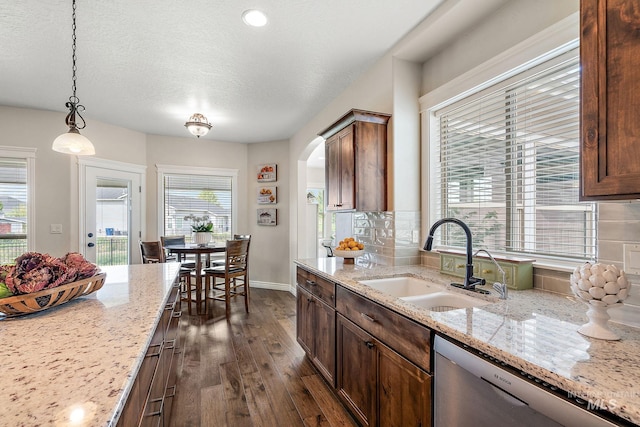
x: 74, y: 102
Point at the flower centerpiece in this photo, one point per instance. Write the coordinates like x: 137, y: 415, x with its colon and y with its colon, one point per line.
x: 202, y: 229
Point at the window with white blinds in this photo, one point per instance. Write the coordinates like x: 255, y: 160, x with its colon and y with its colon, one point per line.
x: 506, y: 162
x: 200, y: 196
x: 13, y: 208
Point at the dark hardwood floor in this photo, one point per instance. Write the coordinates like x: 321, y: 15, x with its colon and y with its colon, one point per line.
x: 250, y: 371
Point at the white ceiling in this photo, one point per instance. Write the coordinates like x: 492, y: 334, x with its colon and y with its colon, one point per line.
x: 148, y: 65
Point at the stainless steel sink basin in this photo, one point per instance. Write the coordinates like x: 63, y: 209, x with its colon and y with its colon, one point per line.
x: 445, y: 300
x: 404, y: 286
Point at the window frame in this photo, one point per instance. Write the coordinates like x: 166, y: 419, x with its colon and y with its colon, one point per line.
x: 549, y: 43
x: 29, y: 155
x: 163, y: 170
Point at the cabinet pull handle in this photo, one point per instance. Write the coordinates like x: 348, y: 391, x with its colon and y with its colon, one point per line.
x: 369, y: 344
x: 157, y: 353
x: 366, y: 316
x: 310, y: 282
x: 309, y: 299
x: 177, y: 313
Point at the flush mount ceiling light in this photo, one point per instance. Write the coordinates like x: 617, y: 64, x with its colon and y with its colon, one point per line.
x: 72, y: 142
x: 198, y: 125
x: 254, y: 18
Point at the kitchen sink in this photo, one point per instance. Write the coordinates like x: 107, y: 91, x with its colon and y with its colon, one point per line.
x: 403, y: 286
x: 444, y: 301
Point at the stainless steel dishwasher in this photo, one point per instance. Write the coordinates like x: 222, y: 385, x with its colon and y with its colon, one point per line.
x: 471, y: 391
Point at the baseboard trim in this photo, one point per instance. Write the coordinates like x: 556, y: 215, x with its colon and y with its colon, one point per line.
x: 270, y: 285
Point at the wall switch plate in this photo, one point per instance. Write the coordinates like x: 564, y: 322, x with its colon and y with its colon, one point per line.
x: 55, y: 229
x: 631, y: 259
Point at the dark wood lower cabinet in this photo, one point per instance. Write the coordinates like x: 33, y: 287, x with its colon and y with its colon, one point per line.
x: 316, y: 322
x: 379, y: 386
x: 151, y: 396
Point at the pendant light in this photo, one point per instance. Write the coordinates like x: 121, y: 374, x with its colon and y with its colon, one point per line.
x: 198, y: 125
x: 72, y: 142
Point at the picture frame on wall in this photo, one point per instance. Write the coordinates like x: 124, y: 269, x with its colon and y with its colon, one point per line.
x: 268, y: 216
x: 267, y: 195
x: 268, y: 172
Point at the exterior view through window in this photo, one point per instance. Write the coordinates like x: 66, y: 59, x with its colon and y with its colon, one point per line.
x: 201, y: 196
x: 13, y: 209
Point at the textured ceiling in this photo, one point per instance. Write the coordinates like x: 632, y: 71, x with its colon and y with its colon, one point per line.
x: 148, y: 65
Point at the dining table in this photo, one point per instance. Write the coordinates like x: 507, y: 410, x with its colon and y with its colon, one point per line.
x: 198, y: 251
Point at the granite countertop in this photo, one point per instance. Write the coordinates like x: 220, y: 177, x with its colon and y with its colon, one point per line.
x: 534, y: 331
x: 74, y: 365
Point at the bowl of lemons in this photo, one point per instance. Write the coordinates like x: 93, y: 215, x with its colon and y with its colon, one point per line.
x: 349, y: 248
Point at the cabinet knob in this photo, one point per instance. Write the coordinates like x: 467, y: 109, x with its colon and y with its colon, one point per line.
x: 460, y: 266
x: 369, y: 344
x: 486, y: 271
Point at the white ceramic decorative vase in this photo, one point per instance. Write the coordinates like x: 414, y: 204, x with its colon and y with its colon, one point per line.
x: 202, y: 238
x: 599, y: 286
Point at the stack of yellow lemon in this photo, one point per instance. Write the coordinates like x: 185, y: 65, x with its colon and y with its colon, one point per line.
x: 349, y: 244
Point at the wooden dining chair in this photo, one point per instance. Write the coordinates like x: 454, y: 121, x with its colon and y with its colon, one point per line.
x: 182, y: 258
x: 234, y: 275
x: 222, y: 260
x: 153, y: 252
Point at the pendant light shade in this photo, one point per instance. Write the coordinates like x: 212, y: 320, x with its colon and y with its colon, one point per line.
x: 72, y: 142
x: 198, y: 125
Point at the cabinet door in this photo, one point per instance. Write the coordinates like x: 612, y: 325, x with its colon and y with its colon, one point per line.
x: 304, y: 320
x: 340, y: 169
x: 610, y: 129
x: 404, y: 391
x: 325, y: 340
x: 357, y: 371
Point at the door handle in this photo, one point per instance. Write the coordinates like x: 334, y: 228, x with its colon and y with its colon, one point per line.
x: 91, y: 245
x: 90, y: 234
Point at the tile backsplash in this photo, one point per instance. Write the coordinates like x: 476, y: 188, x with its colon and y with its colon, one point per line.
x: 390, y: 238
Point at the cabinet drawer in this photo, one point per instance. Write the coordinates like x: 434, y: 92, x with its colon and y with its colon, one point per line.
x: 405, y: 336
x: 323, y: 289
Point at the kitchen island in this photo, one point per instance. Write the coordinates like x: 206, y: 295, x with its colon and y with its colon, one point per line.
x: 74, y: 365
x: 533, y: 331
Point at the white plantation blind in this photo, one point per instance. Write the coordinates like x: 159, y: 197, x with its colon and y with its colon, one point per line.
x: 507, y: 163
x: 198, y: 195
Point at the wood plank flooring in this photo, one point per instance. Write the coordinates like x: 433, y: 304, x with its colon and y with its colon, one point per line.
x: 250, y: 371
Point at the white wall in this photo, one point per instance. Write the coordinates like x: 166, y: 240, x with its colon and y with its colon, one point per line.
x: 196, y: 152
x: 269, y: 244
x: 511, y: 24
x: 56, y: 174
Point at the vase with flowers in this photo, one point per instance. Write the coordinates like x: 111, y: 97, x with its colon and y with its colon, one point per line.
x: 202, y: 229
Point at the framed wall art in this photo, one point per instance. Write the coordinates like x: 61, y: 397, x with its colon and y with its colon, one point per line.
x: 268, y: 216
x: 267, y: 172
x: 267, y: 195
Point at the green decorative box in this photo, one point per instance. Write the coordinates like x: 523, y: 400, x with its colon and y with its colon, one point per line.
x: 518, y: 272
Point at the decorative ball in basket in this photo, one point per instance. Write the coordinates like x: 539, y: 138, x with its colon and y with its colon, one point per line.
x: 349, y: 249
x: 37, y: 282
x: 600, y: 286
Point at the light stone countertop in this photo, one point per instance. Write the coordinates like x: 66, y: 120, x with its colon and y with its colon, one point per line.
x: 533, y: 331
x: 73, y: 365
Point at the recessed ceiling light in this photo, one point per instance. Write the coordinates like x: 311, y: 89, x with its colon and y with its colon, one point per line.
x: 254, y: 18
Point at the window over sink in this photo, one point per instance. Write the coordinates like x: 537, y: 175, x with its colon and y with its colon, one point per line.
x: 504, y: 158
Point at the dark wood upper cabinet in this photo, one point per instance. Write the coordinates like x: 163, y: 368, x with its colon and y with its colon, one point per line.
x: 356, y: 162
x: 610, y: 99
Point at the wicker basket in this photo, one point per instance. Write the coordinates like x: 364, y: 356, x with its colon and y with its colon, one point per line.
x: 19, y: 305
